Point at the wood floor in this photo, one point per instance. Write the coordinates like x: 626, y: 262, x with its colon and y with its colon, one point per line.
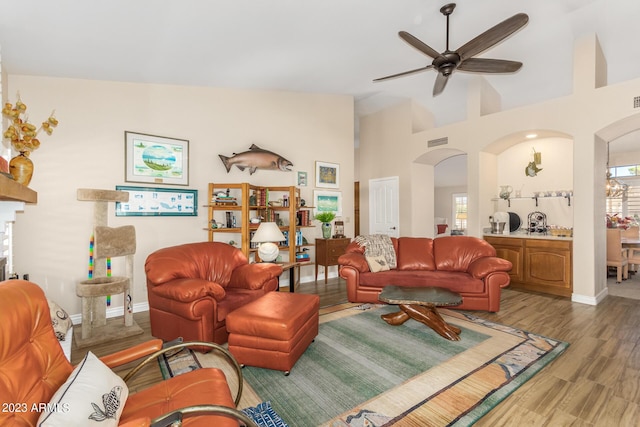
x: 596, y: 382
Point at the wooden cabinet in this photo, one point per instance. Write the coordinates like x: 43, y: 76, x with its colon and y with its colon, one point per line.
x: 328, y: 251
x: 511, y: 250
x: 541, y: 265
x: 229, y: 216
x: 548, y: 266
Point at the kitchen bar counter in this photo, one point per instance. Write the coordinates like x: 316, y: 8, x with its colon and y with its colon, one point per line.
x: 525, y: 235
x: 541, y: 263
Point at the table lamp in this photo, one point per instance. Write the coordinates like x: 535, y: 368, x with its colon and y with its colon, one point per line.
x: 266, y: 234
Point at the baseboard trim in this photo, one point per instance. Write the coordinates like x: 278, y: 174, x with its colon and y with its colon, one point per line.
x: 113, y: 312
x: 144, y: 306
x: 584, y: 299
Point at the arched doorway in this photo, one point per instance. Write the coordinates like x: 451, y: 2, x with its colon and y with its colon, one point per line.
x: 424, y: 192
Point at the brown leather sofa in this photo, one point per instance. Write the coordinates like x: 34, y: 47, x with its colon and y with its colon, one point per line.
x: 192, y: 287
x: 33, y: 367
x: 463, y: 264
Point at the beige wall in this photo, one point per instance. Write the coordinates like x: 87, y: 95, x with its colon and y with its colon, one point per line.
x: 87, y: 151
x: 590, y: 116
x: 556, y: 174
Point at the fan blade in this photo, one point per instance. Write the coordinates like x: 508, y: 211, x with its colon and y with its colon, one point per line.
x: 492, y: 36
x: 441, y: 82
x: 417, y: 70
x: 482, y: 65
x: 419, y: 44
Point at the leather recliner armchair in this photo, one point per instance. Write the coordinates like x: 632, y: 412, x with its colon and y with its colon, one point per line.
x: 192, y: 287
x: 33, y: 367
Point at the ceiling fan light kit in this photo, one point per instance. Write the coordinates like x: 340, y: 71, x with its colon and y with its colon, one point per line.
x: 445, y: 63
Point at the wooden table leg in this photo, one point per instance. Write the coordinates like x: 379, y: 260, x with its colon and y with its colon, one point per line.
x: 292, y: 279
x: 395, y: 319
x: 429, y: 316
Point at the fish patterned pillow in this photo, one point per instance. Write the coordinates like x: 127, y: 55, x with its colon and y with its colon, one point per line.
x: 93, y: 395
x: 60, y: 320
x: 377, y: 263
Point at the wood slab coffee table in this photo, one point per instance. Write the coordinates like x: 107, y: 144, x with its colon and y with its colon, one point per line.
x: 420, y: 304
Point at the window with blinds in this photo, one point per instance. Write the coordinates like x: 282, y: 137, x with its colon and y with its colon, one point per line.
x: 459, y: 211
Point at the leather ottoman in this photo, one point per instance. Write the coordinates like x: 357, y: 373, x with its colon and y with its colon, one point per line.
x: 273, y: 331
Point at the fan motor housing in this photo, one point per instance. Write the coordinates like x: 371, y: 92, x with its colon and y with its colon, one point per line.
x: 447, y: 62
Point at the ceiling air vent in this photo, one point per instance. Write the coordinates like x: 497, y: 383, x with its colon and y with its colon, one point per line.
x: 636, y: 102
x: 439, y: 141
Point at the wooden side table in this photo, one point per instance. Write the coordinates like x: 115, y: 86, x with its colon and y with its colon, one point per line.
x: 328, y: 251
x: 292, y: 267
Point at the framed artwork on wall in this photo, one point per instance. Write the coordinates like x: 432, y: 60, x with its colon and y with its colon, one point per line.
x: 302, y: 179
x: 156, y: 159
x: 327, y: 175
x: 146, y: 201
x: 328, y: 201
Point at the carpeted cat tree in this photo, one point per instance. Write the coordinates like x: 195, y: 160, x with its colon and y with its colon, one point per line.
x: 108, y: 243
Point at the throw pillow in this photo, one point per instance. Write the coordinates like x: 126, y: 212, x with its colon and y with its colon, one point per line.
x: 264, y: 415
x: 377, y: 263
x: 60, y: 320
x: 92, y: 396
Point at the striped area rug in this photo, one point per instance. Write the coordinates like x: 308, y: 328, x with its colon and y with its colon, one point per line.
x: 361, y: 371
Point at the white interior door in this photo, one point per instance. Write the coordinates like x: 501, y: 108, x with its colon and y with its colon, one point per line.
x: 384, y: 206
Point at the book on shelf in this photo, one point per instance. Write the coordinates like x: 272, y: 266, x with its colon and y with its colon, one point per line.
x: 262, y: 196
x: 230, y: 220
x: 303, y: 218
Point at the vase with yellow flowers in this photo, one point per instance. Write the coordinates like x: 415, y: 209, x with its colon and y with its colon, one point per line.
x: 23, y: 136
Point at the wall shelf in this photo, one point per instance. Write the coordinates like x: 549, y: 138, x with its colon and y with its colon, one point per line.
x: 11, y: 191
x: 568, y: 197
x: 13, y: 197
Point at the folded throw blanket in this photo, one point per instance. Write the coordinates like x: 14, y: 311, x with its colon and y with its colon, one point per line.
x: 376, y: 245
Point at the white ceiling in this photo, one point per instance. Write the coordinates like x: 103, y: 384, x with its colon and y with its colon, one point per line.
x: 328, y: 46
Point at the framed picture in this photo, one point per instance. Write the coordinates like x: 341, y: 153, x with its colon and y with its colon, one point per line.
x: 145, y: 201
x: 327, y: 175
x: 328, y: 201
x: 302, y: 179
x: 156, y: 159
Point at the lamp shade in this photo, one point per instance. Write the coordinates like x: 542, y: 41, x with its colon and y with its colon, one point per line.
x: 268, y: 232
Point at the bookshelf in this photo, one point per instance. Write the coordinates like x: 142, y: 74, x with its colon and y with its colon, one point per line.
x: 232, y: 206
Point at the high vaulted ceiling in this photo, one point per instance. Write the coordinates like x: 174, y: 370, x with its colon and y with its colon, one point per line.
x: 327, y: 46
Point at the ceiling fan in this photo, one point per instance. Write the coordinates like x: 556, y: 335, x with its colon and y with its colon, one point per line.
x: 447, y: 62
